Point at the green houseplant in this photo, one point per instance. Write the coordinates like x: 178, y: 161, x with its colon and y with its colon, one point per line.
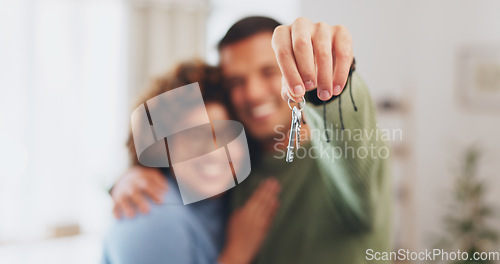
x: 468, y: 214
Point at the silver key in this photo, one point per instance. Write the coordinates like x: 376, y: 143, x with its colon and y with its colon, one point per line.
x: 294, y: 139
x: 298, y: 125
x: 293, y: 135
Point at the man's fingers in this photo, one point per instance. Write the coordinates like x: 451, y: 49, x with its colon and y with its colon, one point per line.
x: 155, y: 193
x: 154, y: 186
x: 342, y: 44
x: 282, y: 45
x: 301, y: 31
x: 126, y: 207
x: 313, y: 55
x: 140, y: 202
x: 285, y: 92
x: 322, y: 43
x: 284, y: 89
x: 159, y: 180
x: 116, y: 211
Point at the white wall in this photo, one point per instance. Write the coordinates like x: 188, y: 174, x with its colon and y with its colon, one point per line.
x: 409, y: 49
x: 62, y: 119
x: 226, y: 12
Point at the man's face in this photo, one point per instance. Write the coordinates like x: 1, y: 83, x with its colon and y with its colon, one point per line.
x: 254, y: 80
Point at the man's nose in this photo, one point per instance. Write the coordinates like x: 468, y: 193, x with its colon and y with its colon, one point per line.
x: 256, y: 90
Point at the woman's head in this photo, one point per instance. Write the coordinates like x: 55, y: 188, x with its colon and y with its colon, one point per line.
x: 208, y: 173
x: 209, y: 79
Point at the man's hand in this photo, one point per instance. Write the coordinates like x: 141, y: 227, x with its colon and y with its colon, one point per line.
x: 248, y: 225
x: 131, y: 191
x: 312, y: 55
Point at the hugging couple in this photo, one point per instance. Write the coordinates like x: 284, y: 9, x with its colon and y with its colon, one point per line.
x: 312, y: 210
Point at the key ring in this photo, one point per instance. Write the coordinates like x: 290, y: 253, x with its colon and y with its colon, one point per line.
x: 303, y: 101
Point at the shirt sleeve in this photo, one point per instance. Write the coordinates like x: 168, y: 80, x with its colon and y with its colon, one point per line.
x: 149, y: 239
x: 352, y: 164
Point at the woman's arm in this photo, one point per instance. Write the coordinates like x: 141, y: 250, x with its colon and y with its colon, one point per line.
x: 248, y: 225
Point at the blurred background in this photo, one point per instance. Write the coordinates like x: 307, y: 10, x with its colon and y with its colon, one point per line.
x: 70, y: 71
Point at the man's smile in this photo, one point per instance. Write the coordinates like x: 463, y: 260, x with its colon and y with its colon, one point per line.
x: 263, y: 111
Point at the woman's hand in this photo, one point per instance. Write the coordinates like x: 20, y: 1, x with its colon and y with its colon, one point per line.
x: 248, y: 225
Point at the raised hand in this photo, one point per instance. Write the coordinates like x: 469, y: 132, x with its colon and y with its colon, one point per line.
x: 248, y: 225
x: 312, y: 55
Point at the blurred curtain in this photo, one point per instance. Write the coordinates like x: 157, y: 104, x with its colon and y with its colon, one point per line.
x: 63, y: 113
x: 162, y: 33
x: 68, y: 72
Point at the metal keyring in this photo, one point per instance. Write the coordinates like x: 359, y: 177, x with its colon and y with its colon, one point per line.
x: 303, y: 101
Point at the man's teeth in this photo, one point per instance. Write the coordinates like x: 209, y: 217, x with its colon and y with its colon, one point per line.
x: 263, y: 110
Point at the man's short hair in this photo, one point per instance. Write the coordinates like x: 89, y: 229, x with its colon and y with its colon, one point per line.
x: 246, y: 28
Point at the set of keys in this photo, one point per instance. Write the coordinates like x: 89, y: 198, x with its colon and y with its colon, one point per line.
x: 294, y: 139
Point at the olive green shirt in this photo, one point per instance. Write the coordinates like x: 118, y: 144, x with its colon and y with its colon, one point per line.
x: 335, y: 201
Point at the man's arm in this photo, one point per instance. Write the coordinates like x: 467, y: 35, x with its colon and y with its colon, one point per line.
x: 249, y: 224
x: 138, y: 184
x: 131, y: 192
x: 354, y: 168
x: 317, y: 55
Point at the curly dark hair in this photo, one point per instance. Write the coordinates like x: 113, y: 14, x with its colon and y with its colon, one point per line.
x: 208, y: 77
